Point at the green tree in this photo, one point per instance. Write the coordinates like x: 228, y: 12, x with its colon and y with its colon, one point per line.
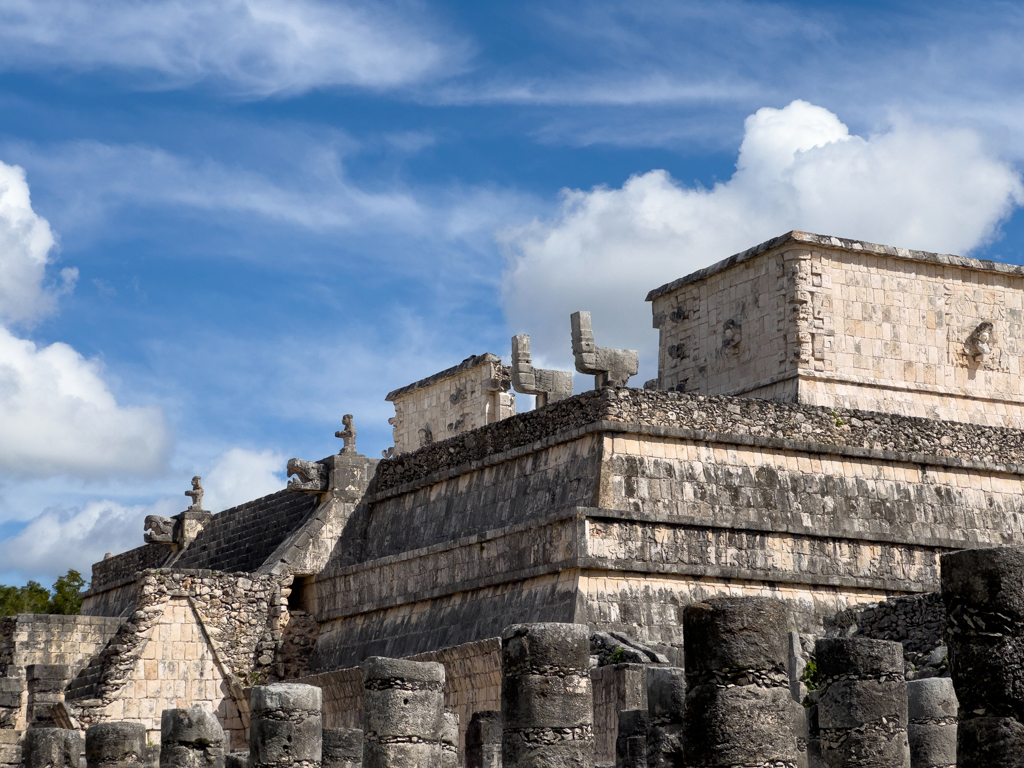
x: 35, y: 598
x: 67, y: 593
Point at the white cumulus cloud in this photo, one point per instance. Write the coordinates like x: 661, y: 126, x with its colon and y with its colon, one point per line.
x: 253, y: 47
x: 57, y: 413
x: 58, y: 416
x: 26, y: 247
x: 240, y: 475
x: 61, y: 538
x: 798, y: 168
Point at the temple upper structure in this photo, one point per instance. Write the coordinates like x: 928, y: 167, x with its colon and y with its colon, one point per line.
x: 840, y: 323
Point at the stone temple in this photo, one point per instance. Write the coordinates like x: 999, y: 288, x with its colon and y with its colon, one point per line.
x: 830, y: 418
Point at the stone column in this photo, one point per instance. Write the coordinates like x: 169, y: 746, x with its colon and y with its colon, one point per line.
x: 46, y: 684
x: 343, y: 748
x: 285, y: 728
x: 115, y: 745
x: 631, y: 742
x: 450, y: 757
x: 52, y: 748
x: 666, y: 697
x: 739, y: 709
x: 862, y: 703
x: 983, y: 592
x: 547, y: 703
x: 190, y: 738
x: 931, y: 729
x: 404, y: 704
x: 483, y: 740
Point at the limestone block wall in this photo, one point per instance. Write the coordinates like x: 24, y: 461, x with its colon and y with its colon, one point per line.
x: 507, y: 490
x: 112, y: 587
x: 44, y: 639
x: 474, y: 393
x: 195, y: 637
x: 840, y: 323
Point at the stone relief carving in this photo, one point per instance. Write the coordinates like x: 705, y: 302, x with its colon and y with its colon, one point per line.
x: 609, y: 367
x: 348, y: 434
x: 548, y: 385
x: 426, y: 435
x: 311, y: 477
x: 159, y: 530
x: 196, y: 494
x: 979, y: 344
x: 731, y: 336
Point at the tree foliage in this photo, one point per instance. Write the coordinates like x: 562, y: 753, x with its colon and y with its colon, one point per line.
x: 35, y: 598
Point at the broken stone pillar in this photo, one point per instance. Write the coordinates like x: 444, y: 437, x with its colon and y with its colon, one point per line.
x: 666, y: 697
x: 739, y: 710
x: 343, y: 748
x: 286, y: 727
x: 931, y: 728
x: 52, y: 748
x: 547, y: 703
x: 983, y: 592
x: 450, y: 757
x: 115, y: 744
x: 404, y: 711
x: 46, y: 684
x: 190, y: 738
x: 609, y: 367
x: 549, y: 386
x: 862, y: 703
x: 483, y: 740
x: 631, y: 742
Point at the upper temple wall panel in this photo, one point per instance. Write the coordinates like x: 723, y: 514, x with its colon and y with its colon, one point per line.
x: 835, y: 323
x: 459, y: 399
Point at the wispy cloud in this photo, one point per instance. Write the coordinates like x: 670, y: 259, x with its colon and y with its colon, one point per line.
x: 252, y: 48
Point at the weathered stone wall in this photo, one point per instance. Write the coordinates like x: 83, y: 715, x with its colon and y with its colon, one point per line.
x: 113, y: 580
x: 841, y: 323
x: 461, y: 398
x: 514, y: 491
x: 472, y: 684
x: 28, y: 639
x: 195, y: 638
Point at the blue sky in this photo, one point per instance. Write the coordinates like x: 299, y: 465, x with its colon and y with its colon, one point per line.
x: 223, y: 224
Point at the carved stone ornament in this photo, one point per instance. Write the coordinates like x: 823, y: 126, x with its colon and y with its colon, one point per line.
x: 979, y: 344
x: 348, y: 434
x: 196, y: 494
x: 548, y: 385
x: 159, y: 530
x: 311, y: 476
x: 609, y: 367
x: 731, y: 335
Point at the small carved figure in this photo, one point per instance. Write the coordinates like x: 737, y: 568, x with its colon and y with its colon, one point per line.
x: 196, y: 494
x: 348, y: 434
x: 159, y: 530
x: 979, y: 343
x: 730, y: 335
x: 609, y: 367
x: 548, y: 385
x: 426, y: 435
x: 311, y: 476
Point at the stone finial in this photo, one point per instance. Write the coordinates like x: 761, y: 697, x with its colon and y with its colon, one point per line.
x: 348, y: 434
x: 311, y: 476
x: 159, y: 530
x: 979, y: 343
x: 196, y: 494
x: 549, y: 386
x: 609, y: 367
